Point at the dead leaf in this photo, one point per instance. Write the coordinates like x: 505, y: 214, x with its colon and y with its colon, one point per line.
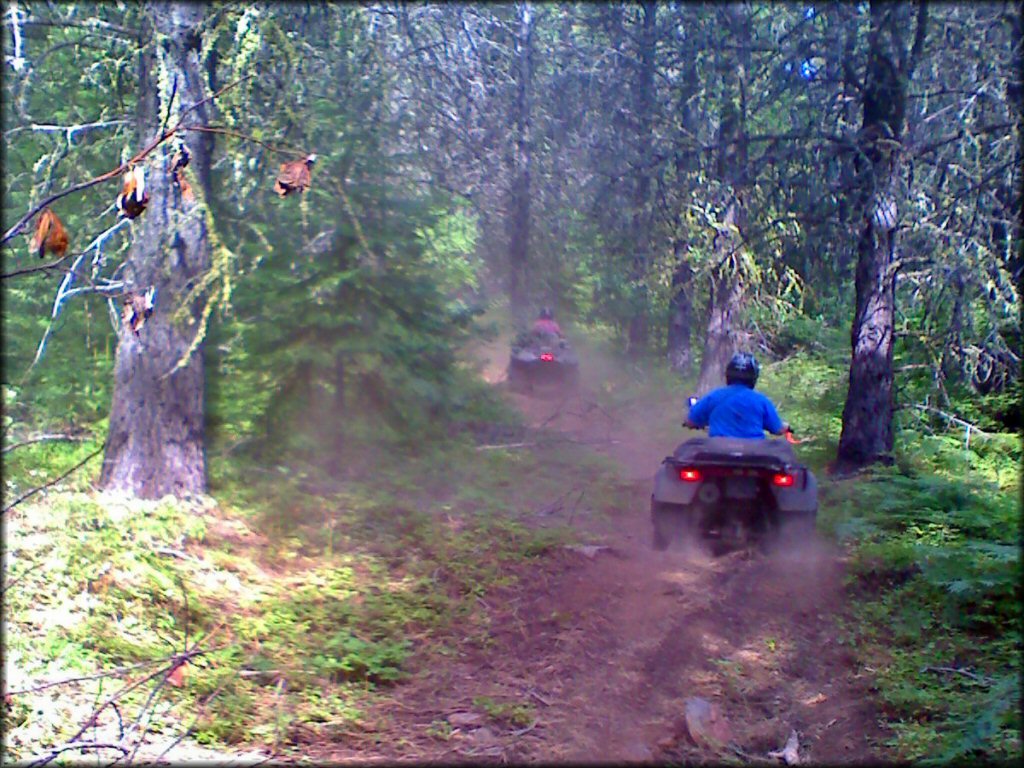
x: 133, y: 198
x: 177, y: 676
x: 294, y: 176
x: 49, y: 235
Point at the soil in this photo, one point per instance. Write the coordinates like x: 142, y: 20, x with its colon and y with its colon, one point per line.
x: 603, y: 648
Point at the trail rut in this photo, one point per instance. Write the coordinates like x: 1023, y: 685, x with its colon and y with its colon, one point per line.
x: 609, y: 648
x: 756, y: 635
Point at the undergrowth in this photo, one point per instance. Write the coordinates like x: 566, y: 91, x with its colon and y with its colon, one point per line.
x: 311, y: 592
x: 935, y: 572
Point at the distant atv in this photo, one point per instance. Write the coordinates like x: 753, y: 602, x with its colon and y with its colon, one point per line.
x: 542, y: 360
x: 733, y: 491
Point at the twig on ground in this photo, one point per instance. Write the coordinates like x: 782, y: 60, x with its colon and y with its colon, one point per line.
x: 43, y: 438
x: 83, y: 746
x: 83, y: 678
x: 29, y: 494
x: 8, y: 585
x: 575, y: 506
x: 202, y: 709
x: 503, y: 446
x: 539, y: 698
x: 179, y: 555
x: 527, y: 729
x: 979, y: 679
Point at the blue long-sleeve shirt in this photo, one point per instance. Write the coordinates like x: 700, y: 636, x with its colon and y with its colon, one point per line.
x: 736, y: 411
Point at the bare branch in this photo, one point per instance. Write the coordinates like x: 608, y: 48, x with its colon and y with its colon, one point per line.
x: 44, y: 486
x: 160, y: 139
x: 42, y: 438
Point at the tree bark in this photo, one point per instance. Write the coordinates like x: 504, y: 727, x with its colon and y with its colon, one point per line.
x: 680, y: 314
x: 726, y: 300
x: 867, y: 435
x: 155, y: 445
x: 519, y: 216
x: 638, y: 326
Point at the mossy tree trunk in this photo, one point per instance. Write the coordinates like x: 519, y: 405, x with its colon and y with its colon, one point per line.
x: 867, y: 435
x: 155, y: 445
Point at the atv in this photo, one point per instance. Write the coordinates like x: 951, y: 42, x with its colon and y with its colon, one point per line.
x: 542, y: 360
x: 734, y: 492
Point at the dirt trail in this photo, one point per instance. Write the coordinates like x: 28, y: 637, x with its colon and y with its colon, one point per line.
x: 755, y: 635
x: 609, y: 648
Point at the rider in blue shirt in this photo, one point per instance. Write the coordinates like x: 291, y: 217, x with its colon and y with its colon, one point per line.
x: 736, y: 410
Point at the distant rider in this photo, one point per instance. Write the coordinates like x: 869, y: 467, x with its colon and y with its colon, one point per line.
x: 736, y: 410
x: 545, y: 324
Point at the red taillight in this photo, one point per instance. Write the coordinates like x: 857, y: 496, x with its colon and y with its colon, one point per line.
x: 547, y: 357
x: 783, y: 481
x: 689, y: 475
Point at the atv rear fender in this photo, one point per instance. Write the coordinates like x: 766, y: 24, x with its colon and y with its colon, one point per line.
x: 764, y: 456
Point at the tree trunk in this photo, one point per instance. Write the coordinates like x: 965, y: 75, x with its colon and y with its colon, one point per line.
x: 867, y: 435
x: 641, y: 214
x: 726, y: 298
x: 155, y: 445
x: 680, y: 314
x: 519, y: 215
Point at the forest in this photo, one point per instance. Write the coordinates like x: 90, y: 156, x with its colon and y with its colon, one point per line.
x: 269, y: 492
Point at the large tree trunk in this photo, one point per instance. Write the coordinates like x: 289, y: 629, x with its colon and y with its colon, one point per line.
x: 680, y: 314
x: 867, y: 435
x: 155, y: 445
x: 518, y: 221
x: 726, y: 299
x: 641, y: 209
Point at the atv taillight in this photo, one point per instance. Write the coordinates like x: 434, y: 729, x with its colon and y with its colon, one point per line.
x: 689, y: 475
x: 783, y: 480
x: 547, y: 357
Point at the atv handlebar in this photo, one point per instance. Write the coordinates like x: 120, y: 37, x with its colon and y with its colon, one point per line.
x: 787, y: 432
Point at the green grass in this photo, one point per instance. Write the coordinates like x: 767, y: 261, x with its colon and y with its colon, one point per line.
x: 340, y: 584
x: 935, y: 575
x: 339, y: 587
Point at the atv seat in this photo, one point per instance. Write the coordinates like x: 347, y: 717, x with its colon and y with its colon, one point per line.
x: 734, y: 450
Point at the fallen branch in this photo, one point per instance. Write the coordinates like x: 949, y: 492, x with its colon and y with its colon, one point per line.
x: 82, y: 746
x: 503, y: 446
x: 83, y: 678
x: 42, y: 438
x: 953, y: 419
x: 525, y: 730
x: 44, y: 486
x: 539, y: 698
x: 979, y: 679
x: 8, y: 585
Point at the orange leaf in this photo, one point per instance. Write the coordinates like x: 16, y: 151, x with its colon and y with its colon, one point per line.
x: 177, y: 676
x: 50, y: 235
